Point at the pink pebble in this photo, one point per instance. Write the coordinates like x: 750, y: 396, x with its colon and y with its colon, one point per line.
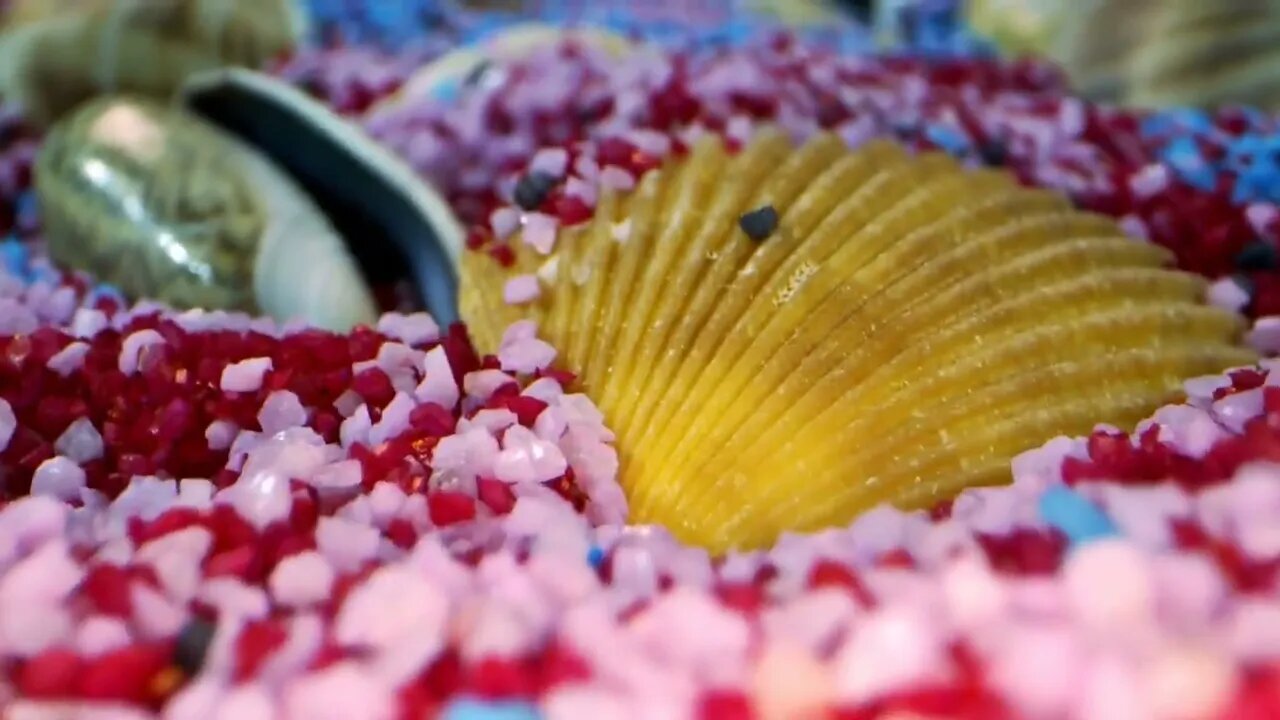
x: 585, y: 702
x: 617, y: 179
x: 1261, y: 216
x: 339, y: 692
x: 246, y: 702
x: 467, y: 454
x: 1124, y: 572
x: 892, y: 649
x: 521, y: 289
x: 58, y: 477
x: 132, y: 347
x: 154, y: 616
x: 412, y: 329
x: 581, y: 189
x: 246, y: 375
x: 1190, y: 430
x: 811, y: 621
x: 790, y: 684
x: 80, y: 442
x: 492, y: 420
x: 1039, y: 669
x: 1145, y: 514
x: 1110, y: 689
x: 540, y: 232
x: 1254, y: 630
x: 438, y: 385
x: 399, y: 615
x: 481, y: 384
x: 550, y: 424
x: 338, y: 476
x: 301, y: 580
x: 525, y: 355
x: 394, y: 421
x: 386, y: 500
x: 1264, y: 336
x: 176, y: 559
x: 233, y: 599
x: 1233, y: 411
x: 1149, y: 181
x: 346, y: 544
x: 31, y: 598
x: 99, y: 634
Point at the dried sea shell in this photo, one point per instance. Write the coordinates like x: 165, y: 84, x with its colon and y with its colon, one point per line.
x: 390, y: 217
x: 56, y: 54
x: 904, y: 330
x: 162, y: 204
x: 255, y: 198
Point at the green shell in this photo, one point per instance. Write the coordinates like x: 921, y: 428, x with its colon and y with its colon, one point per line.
x: 151, y: 200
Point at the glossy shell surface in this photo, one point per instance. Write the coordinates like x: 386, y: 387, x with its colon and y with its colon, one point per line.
x: 904, y: 331
x: 153, y: 201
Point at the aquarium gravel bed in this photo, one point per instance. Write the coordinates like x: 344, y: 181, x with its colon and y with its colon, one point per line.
x: 206, y: 515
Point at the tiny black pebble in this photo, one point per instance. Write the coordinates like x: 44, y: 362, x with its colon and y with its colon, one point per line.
x: 477, y: 73
x: 759, y: 224
x: 1245, y: 283
x: 193, y: 645
x: 994, y: 153
x: 532, y: 189
x: 862, y: 10
x: 1257, y: 255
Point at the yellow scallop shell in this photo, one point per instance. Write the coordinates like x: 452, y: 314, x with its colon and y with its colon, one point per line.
x: 908, y: 327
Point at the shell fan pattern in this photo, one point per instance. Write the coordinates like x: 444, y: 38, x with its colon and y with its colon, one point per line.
x: 895, y: 329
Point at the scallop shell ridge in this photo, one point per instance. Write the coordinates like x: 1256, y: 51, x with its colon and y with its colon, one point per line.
x: 907, y: 328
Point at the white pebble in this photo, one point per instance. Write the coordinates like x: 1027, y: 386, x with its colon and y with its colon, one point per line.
x: 550, y: 161
x: 245, y: 376
x: 1228, y: 295
x: 69, y: 359
x: 8, y: 423
x: 281, y: 410
x: 355, y: 429
x: 221, y: 434
x: 504, y: 222
x: 80, y: 442
x: 58, y: 477
x: 132, y: 347
x: 88, y: 322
